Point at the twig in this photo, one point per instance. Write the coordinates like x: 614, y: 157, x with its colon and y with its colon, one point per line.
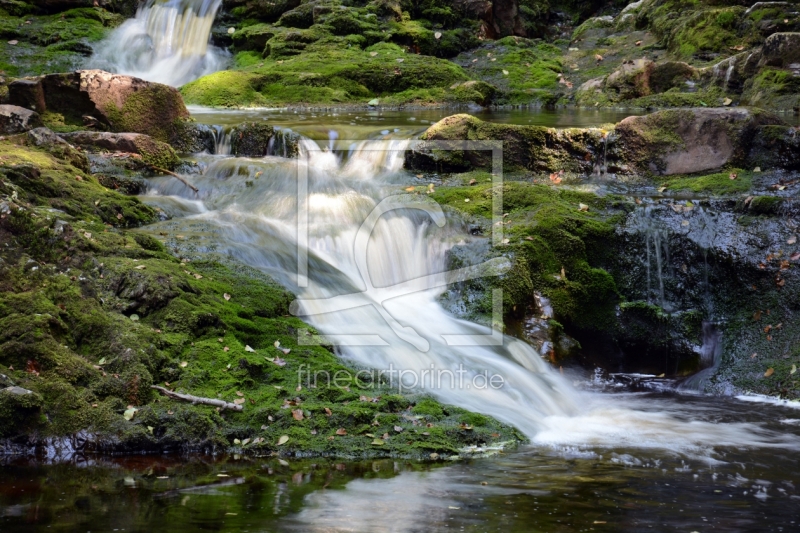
x: 197, y: 399
x: 165, y: 171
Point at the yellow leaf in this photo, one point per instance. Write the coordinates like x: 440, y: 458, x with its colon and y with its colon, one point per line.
x: 793, y: 370
x: 184, y: 364
x: 283, y: 440
x: 769, y: 372
x: 583, y: 207
x: 377, y: 442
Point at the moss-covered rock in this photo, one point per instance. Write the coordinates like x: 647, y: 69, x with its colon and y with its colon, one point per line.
x: 690, y: 140
x: 533, y: 148
x: 120, y: 103
x: 153, y: 152
x: 253, y: 139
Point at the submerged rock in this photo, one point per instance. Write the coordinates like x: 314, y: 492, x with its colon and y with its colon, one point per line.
x: 119, y: 103
x: 15, y: 119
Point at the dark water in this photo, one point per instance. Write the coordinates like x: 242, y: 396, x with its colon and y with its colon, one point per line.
x: 677, y: 479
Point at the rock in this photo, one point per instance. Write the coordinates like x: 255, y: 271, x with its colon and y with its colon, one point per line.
x: 781, y: 49
x: 193, y: 138
x: 775, y: 147
x: 475, y: 91
x: 534, y: 148
x: 685, y: 141
x: 47, y: 140
x: 153, y: 152
x: 253, y: 139
x: 120, y: 103
x: 631, y: 80
x: 671, y: 74
x: 17, y: 390
x: 15, y: 119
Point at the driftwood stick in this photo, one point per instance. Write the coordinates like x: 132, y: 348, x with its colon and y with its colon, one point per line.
x: 197, y: 399
x: 174, y: 175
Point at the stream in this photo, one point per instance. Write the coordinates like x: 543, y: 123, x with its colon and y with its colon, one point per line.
x: 601, y: 457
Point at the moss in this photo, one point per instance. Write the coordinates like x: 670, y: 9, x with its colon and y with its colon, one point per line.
x: 555, y: 248
x: 765, y: 205
x: 716, y: 184
x: 91, y: 316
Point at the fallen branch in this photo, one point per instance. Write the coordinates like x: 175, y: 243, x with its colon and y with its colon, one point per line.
x: 174, y: 175
x: 197, y: 399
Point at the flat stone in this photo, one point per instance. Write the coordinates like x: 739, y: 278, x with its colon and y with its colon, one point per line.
x: 16, y: 119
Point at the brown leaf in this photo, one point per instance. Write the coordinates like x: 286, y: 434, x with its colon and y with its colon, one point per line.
x: 341, y: 431
x: 733, y: 175
x: 328, y: 412
x: 769, y: 372
x: 238, y: 393
x: 297, y: 414
x: 638, y: 43
x: 768, y: 328
x: 238, y: 401
x: 795, y: 256
x: 757, y: 316
x: 598, y: 57
x: 785, y: 264
x: 398, y: 429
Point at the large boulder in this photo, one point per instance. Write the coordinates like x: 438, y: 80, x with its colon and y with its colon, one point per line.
x: 15, y: 119
x: 533, y: 148
x: 118, y: 103
x: 684, y: 141
x: 630, y: 80
x: 152, y: 151
x: 781, y: 49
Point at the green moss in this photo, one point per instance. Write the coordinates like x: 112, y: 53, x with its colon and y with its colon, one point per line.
x: 91, y: 316
x: 716, y: 184
x: 556, y: 250
x: 765, y: 205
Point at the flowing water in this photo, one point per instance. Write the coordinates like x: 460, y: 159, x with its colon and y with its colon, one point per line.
x: 166, y: 42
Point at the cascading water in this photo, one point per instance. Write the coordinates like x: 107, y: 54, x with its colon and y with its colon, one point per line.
x: 247, y: 209
x: 166, y: 42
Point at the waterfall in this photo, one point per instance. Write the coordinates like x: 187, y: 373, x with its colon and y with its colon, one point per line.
x: 166, y: 42
x: 222, y: 140
x: 710, y: 358
x: 656, y: 259
x: 377, y: 289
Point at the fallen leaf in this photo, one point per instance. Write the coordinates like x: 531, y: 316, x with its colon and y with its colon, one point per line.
x: 226, y: 296
x: 328, y: 411
x: 377, y: 442
x: 238, y: 401
x: 769, y: 372
x: 341, y: 431
x: 733, y: 175
x: 438, y: 35
x: 638, y: 43
x: 184, y: 364
x: 129, y: 413
x: 738, y: 47
x: 102, y: 361
x: 400, y: 59
x: 583, y: 207
x: 283, y: 440
x: 198, y: 276
x: 237, y: 441
x: 297, y: 414
x: 505, y: 72
x: 757, y: 316
x: 598, y: 57
x: 398, y: 429
x: 795, y: 256
x: 225, y: 349
x: 373, y: 54
x: 410, y: 189
x: 727, y: 102
x: 240, y: 394
x: 791, y: 240
x: 278, y: 361
x: 793, y: 370
x: 247, y: 348
x: 13, y: 42
x: 757, y: 169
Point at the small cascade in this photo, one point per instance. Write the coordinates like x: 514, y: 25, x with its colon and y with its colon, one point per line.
x: 167, y: 42
x: 222, y: 141
x: 656, y: 259
x: 710, y: 358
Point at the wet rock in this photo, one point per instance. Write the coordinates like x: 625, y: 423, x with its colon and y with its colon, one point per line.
x: 690, y: 140
x: 120, y: 103
x: 193, y: 138
x: 775, y: 147
x: 253, y: 139
x: 781, y: 49
x: 153, y: 152
x: 15, y: 119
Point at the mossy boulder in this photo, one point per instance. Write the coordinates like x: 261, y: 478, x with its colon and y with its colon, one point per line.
x: 152, y: 152
x: 630, y: 80
x: 690, y: 140
x: 119, y: 103
x: 533, y: 148
x: 781, y: 49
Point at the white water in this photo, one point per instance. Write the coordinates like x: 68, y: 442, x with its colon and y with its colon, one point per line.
x: 167, y: 42
x: 395, y: 307
x: 383, y: 282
